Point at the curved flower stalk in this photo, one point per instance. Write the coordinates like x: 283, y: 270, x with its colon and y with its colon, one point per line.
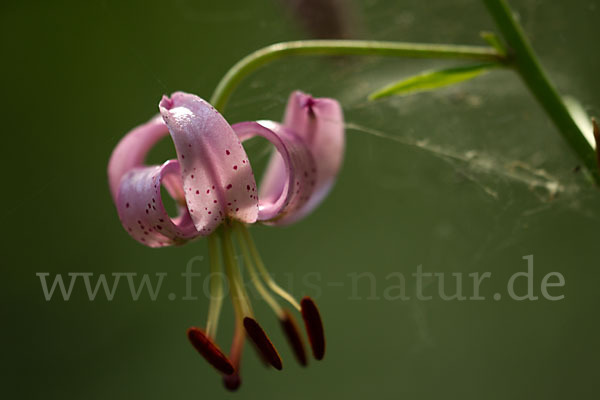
x: 214, y: 187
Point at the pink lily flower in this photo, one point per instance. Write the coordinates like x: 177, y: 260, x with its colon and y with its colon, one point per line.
x: 214, y: 186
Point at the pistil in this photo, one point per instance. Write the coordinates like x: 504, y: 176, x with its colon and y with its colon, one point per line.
x: 232, y: 382
x: 241, y: 301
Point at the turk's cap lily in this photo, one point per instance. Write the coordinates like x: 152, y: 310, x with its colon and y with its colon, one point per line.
x: 215, y: 190
x: 212, y: 180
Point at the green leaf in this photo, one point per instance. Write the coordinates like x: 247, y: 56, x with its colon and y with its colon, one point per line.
x: 430, y: 80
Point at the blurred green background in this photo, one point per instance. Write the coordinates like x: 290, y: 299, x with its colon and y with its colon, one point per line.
x: 468, y: 179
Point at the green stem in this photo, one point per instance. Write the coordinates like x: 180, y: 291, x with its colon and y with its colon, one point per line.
x: 526, y: 64
x: 343, y: 47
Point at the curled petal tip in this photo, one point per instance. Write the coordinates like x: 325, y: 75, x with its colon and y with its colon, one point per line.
x: 262, y: 342
x: 165, y: 102
x: 131, y: 151
x: 142, y: 212
x: 288, y: 181
x: 314, y: 327
x: 209, y: 350
x: 319, y: 124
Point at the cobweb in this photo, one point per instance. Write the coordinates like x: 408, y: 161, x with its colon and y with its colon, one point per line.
x: 490, y: 131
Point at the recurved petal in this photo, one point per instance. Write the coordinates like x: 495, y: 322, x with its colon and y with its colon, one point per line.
x: 132, y: 149
x: 290, y: 180
x: 320, y: 123
x: 141, y: 209
x: 217, y: 177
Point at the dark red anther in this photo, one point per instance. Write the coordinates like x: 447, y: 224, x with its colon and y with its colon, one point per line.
x: 232, y: 382
x: 262, y: 342
x: 288, y: 323
x: 314, y: 327
x: 209, y: 350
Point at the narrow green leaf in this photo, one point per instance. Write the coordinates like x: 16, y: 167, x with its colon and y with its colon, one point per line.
x: 430, y: 80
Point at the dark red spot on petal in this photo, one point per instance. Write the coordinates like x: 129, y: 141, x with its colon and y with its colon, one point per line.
x: 229, y: 186
x: 227, y: 152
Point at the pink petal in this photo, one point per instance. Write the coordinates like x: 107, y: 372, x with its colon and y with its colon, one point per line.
x: 132, y: 149
x: 320, y: 124
x: 293, y: 185
x: 141, y: 209
x: 135, y: 189
x: 215, y: 168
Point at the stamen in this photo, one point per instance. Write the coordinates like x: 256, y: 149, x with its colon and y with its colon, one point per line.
x: 263, y: 270
x: 209, y: 350
x: 254, y: 275
x: 262, y: 342
x: 288, y: 323
x: 239, y: 297
x: 314, y: 327
x: 216, y: 286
